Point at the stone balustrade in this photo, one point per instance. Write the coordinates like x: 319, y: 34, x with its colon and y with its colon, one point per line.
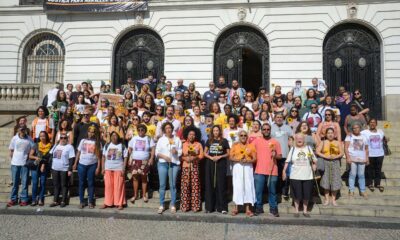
x: 23, y: 98
x: 12, y: 92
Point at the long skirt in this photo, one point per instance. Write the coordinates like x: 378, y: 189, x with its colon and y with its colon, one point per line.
x: 243, y: 184
x: 331, y: 180
x: 190, y: 188
x: 114, y: 188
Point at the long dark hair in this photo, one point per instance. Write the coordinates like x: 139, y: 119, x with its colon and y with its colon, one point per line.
x: 196, y: 131
x: 211, y: 137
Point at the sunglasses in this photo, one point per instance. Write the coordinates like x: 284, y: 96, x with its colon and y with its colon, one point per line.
x: 314, y: 107
x: 203, y: 104
x: 294, y: 111
x: 63, y: 137
x: 243, y: 135
x: 266, y: 129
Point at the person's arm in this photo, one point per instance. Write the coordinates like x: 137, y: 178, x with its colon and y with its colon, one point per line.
x: 71, y: 138
x: 32, y: 155
x: 151, y: 159
x: 103, y: 164
x: 345, y: 125
x: 99, y: 158
x: 206, y: 155
x: 253, y: 156
x: 284, y: 171
x: 319, y: 131
x: 346, y: 151
x: 367, y: 154
x: 341, y: 151
x: 232, y: 155
x: 78, y: 154
x: 319, y: 150
x: 201, y: 152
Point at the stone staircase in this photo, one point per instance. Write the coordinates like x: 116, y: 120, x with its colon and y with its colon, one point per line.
x: 378, y: 204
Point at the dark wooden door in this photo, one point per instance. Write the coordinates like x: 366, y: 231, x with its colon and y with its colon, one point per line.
x: 352, y: 59
x: 141, y: 50
x: 229, y: 52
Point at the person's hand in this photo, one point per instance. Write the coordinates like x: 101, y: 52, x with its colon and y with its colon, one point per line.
x: 151, y: 162
x: 284, y: 176
x: 42, y: 168
x: 273, y: 154
x: 97, y: 171
x: 168, y: 159
x: 367, y: 163
x: 69, y: 173
x: 103, y: 171
x: 217, y: 158
x: 314, y: 167
x: 74, y: 167
x: 123, y: 173
x: 348, y: 160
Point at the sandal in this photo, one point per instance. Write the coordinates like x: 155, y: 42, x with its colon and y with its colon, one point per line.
x: 371, y: 188
x: 41, y: 203
x: 145, y: 199
x: 132, y: 200
x: 249, y: 213
x: 81, y: 206
x: 334, y: 203
x: 103, y: 207
x: 326, y: 203
x: 381, y: 188
x: 234, y: 212
x: 121, y: 207
x: 91, y: 205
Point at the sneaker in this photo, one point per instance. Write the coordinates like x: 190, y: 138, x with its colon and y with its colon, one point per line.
x: 23, y: 204
x: 259, y: 210
x: 224, y: 212
x: 160, y: 210
x: 274, y: 213
x: 63, y: 205
x: 307, y: 215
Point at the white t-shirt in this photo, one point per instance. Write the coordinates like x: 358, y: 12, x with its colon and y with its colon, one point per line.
x: 357, y: 147
x: 301, y: 167
x: 141, y: 147
x: 232, y: 135
x: 21, y: 147
x: 114, y: 156
x: 375, y: 142
x: 61, y: 156
x: 88, y: 154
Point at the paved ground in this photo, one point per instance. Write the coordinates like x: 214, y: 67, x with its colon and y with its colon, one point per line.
x: 53, y: 227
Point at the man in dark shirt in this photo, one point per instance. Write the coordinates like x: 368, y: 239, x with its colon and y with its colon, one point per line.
x: 180, y: 88
x: 211, y: 95
x: 222, y: 86
x: 80, y: 129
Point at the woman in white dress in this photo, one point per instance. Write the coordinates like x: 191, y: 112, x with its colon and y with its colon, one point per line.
x: 243, y: 155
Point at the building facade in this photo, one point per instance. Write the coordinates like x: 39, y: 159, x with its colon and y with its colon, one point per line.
x: 260, y: 43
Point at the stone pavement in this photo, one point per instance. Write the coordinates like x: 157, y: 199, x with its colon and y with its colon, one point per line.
x: 52, y: 227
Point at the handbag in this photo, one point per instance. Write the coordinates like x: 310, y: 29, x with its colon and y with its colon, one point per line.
x: 386, y: 148
x: 31, y: 164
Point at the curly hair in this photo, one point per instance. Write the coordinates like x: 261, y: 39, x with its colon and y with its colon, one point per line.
x: 196, y: 131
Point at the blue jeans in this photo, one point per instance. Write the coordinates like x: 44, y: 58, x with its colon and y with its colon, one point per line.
x: 38, y: 176
x: 357, y: 169
x: 259, y: 181
x: 169, y: 170
x: 86, y: 174
x: 19, y: 173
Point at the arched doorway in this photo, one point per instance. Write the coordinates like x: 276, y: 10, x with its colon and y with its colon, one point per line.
x: 138, y: 53
x: 242, y: 53
x: 352, y: 59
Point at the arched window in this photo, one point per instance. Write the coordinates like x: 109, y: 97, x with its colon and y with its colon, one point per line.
x: 43, y: 59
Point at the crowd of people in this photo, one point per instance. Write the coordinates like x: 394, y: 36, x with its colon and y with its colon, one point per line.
x: 225, y: 143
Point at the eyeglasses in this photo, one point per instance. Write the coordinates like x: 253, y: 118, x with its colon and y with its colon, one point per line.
x: 266, y: 129
x: 243, y: 135
x: 357, y: 93
x: 65, y: 137
x: 313, y: 107
x: 294, y: 111
x: 135, y: 119
x: 328, y: 114
x: 203, y: 104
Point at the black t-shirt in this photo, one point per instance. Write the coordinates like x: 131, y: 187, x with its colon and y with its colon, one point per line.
x: 217, y: 147
x: 360, y: 103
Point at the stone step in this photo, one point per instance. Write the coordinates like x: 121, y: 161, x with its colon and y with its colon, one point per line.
x: 373, y: 200
x: 389, y: 191
x: 284, y: 208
